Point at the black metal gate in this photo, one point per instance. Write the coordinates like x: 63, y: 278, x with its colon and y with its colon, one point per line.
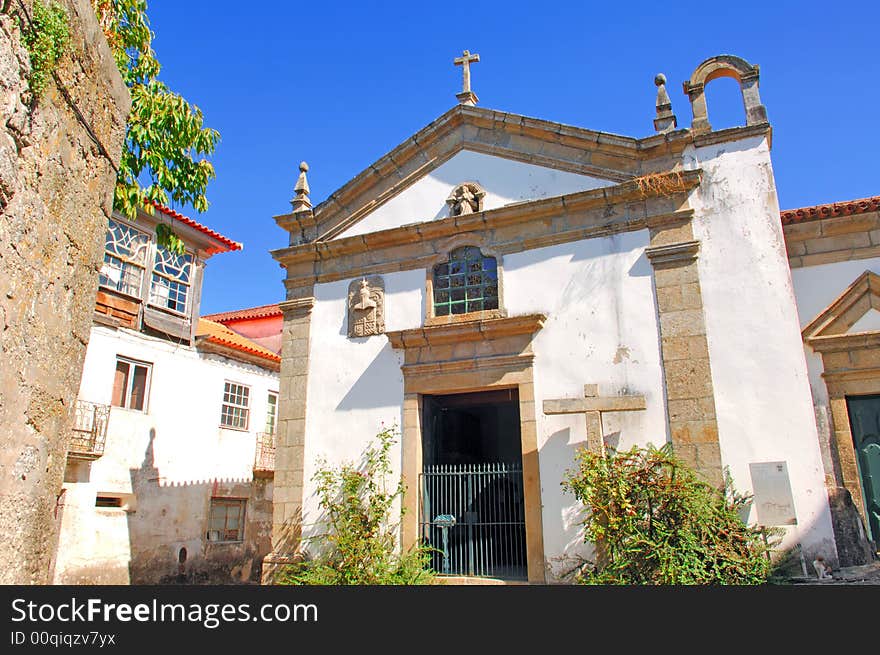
x: 473, y: 516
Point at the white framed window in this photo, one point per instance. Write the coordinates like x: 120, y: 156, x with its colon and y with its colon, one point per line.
x: 236, y: 406
x: 272, y: 413
x: 126, y: 252
x: 171, y: 280
x: 131, y: 384
x: 226, y: 519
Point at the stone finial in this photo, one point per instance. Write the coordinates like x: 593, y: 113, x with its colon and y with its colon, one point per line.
x: 466, y: 97
x: 665, y: 120
x: 301, y: 200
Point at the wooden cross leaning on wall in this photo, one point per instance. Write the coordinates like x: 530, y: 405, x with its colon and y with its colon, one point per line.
x: 592, y: 405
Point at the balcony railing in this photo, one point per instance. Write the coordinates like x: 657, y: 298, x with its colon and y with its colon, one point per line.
x: 89, y: 430
x: 264, y: 459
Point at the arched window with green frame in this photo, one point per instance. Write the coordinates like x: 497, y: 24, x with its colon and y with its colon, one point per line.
x: 466, y: 282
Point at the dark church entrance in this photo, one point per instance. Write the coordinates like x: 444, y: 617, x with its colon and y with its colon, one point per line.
x: 472, y: 508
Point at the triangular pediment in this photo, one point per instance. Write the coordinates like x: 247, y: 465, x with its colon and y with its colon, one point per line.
x: 499, y: 181
x: 601, y: 159
x: 855, y: 311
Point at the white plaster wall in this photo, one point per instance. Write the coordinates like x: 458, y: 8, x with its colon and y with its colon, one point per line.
x: 762, y: 392
x: 355, y: 386
x: 189, y: 446
x: 601, y: 329
x: 505, y: 181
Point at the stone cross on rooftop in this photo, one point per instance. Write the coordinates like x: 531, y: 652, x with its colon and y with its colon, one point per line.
x: 466, y: 97
x: 592, y: 405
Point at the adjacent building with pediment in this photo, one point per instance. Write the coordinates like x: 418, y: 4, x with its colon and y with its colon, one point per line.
x: 507, y: 289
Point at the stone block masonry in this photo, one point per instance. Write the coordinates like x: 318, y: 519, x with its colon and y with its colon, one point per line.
x: 56, y: 191
x: 693, y: 429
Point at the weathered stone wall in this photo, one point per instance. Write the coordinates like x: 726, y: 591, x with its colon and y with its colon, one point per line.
x: 55, y: 197
x: 182, y: 510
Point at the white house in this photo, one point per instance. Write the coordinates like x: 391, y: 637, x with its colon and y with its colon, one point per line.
x: 169, y: 474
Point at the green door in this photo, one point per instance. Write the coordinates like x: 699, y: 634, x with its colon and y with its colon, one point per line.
x: 864, y: 415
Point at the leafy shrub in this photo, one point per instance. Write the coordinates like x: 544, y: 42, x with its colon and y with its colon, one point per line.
x: 360, y: 546
x: 653, y: 521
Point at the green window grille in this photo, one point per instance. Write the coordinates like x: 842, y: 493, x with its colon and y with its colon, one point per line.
x: 467, y: 282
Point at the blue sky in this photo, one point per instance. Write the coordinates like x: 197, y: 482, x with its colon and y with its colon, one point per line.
x: 341, y: 84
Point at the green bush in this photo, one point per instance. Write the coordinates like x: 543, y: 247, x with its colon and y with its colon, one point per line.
x: 654, y: 521
x: 46, y: 38
x: 359, y: 547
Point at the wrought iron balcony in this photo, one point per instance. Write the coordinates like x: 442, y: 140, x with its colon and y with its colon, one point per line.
x: 264, y: 459
x: 89, y: 431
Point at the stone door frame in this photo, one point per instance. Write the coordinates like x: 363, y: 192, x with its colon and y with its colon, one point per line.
x: 846, y: 373
x: 469, y: 357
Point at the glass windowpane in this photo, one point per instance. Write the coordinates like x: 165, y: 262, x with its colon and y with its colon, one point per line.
x: 234, y: 411
x: 467, y: 282
x: 139, y: 387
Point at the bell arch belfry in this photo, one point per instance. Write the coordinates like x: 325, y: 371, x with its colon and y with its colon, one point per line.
x: 545, y: 287
x: 724, y: 66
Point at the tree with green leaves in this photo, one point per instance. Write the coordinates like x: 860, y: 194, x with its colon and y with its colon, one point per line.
x: 166, y: 141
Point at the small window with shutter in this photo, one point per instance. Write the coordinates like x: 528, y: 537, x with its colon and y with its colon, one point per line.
x: 131, y: 384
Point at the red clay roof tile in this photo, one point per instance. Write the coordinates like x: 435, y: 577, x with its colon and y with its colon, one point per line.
x: 818, y: 212
x: 226, y: 241
x: 214, y: 332
x: 263, y: 311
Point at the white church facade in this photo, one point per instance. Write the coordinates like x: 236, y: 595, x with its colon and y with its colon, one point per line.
x: 506, y: 289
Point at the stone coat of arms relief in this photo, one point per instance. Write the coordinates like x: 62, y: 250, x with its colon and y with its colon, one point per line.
x: 366, y: 307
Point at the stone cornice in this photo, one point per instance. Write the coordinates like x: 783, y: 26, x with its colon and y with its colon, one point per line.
x: 841, y: 342
x: 549, y: 162
x: 512, y: 136
x: 440, y: 140
x: 478, y: 330
x: 511, y: 362
x: 733, y: 134
x: 376, y: 252
x: 831, y: 233
x: 867, y: 284
x: 297, y: 307
x: 851, y: 375
x: 677, y: 253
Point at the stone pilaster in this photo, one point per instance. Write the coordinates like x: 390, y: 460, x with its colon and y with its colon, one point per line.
x: 690, y: 398
x: 290, y: 449
x: 697, y: 95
